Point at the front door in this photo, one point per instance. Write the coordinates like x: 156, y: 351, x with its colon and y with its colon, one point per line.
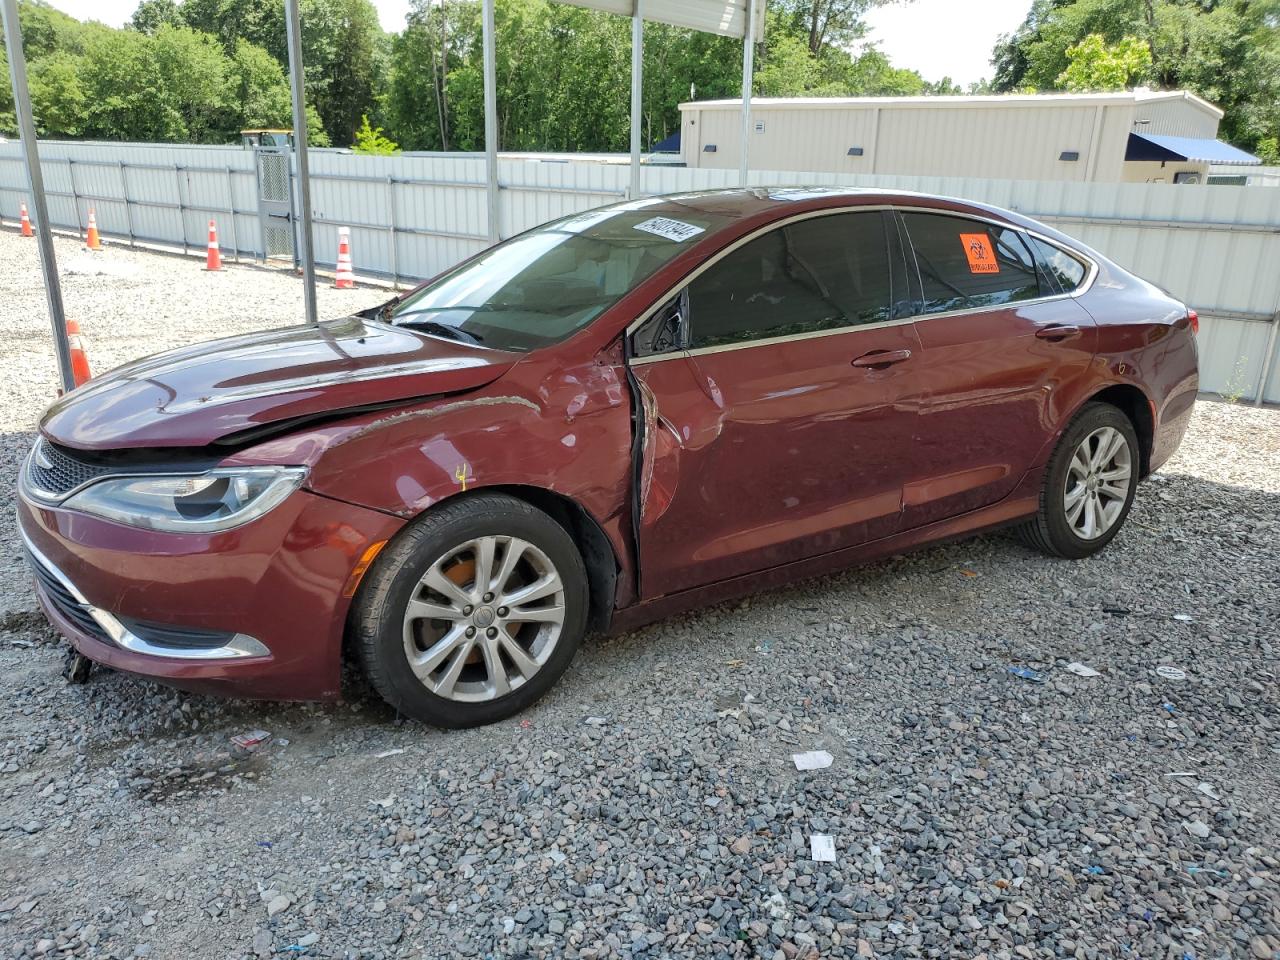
x: 1000, y: 336
x: 782, y: 430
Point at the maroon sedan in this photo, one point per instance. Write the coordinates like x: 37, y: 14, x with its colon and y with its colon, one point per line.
x: 628, y: 412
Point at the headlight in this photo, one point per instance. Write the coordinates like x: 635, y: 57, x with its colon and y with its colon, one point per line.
x: 195, y: 503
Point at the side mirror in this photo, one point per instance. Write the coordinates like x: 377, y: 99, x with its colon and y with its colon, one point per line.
x: 664, y: 331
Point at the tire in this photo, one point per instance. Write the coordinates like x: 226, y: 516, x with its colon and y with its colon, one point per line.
x: 431, y: 668
x: 1062, y: 532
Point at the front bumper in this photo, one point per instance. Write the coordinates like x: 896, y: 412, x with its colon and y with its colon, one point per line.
x: 257, y: 611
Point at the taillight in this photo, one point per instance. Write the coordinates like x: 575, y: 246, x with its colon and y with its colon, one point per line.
x: 1195, y: 321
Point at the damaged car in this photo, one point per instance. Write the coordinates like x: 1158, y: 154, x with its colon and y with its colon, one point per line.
x: 626, y: 413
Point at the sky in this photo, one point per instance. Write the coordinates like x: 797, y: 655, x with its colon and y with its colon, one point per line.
x: 937, y: 37
x: 945, y: 38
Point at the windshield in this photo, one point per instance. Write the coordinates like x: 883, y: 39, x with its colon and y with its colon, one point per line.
x: 542, y: 286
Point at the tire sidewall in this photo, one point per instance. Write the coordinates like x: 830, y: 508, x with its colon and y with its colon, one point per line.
x: 1093, y: 417
x: 393, y: 582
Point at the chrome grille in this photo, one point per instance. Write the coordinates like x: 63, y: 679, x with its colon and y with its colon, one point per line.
x: 61, y: 599
x: 56, y: 470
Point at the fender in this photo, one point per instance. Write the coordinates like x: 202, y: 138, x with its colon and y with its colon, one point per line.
x: 557, y: 428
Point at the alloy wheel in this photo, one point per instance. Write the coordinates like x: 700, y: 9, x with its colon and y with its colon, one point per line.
x: 1097, y: 483
x: 484, y: 618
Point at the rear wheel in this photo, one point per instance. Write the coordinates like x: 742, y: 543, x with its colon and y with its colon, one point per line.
x: 1088, y: 486
x: 473, y: 612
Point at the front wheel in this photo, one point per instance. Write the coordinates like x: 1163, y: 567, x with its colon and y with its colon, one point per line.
x: 473, y: 612
x: 1088, y: 486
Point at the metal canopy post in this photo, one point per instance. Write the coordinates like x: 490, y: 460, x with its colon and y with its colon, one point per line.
x: 35, y: 185
x: 490, y: 120
x: 307, y: 250
x: 748, y: 68
x: 637, y: 93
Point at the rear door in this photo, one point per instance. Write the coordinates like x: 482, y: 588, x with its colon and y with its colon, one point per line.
x: 1000, y: 336
x: 781, y: 430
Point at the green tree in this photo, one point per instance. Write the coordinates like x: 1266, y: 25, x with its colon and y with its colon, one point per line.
x: 370, y: 140
x: 1095, y: 65
x: 259, y: 88
x: 195, y: 88
x: 316, y: 133
x: 343, y: 50
x: 563, y: 73
x: 58, y: 101
x: 151, y: 15
x: 121, y: 81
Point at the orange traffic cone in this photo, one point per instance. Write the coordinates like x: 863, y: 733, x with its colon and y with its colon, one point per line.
x: 344, y: 279
x: 93, y: 242
x: 213, y: 260
x: 26, y: 222
x: 80, y: 371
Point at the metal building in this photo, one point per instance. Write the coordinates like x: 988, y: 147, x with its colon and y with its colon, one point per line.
x: 1137, y: 136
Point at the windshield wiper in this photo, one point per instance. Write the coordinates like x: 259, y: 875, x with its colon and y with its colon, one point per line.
x: 441, y: 330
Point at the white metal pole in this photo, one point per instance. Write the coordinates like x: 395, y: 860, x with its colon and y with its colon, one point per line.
x: 748, y: 68
x: 35, y: 186
x: 490, y: 120
x: 296, y: 88
x: 637, y: 93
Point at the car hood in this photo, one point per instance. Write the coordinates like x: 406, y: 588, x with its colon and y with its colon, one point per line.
x: 196, y: 396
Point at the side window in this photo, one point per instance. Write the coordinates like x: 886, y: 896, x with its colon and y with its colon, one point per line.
x: 1064, y: 270
x: 818, y: 274
x: 967, y: 263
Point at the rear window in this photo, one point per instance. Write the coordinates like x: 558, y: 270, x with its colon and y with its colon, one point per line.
x: 1064, y: 271
x: 545, y: 285
x: 967, y: 263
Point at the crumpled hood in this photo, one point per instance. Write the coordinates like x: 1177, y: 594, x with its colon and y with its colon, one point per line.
x: 194, y: 396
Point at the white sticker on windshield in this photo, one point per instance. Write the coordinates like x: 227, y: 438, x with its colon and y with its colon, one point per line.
x: 676, y: 230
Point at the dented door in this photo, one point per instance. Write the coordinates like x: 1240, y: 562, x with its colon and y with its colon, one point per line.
x: 765, y: 455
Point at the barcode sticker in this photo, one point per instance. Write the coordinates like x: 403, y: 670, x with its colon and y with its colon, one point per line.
x: 676, y: 230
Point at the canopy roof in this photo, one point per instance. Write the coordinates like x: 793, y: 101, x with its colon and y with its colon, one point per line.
x: 1156, y: 146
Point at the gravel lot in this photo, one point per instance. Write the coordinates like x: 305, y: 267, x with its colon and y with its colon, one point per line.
x: 649, y: 806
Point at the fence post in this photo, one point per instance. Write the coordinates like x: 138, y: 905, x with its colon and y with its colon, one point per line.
x: 231, y: 212
x: 182, y: 210
x: 391, y: 228
x: 1267, y: 360
x: 75, y: 197
x: 128, y: 210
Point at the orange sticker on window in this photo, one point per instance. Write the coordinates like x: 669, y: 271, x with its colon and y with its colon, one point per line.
x: 977, y: 247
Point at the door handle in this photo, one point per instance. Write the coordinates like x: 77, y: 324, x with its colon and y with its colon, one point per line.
x: 1056, y: 332
x: 880, y: 359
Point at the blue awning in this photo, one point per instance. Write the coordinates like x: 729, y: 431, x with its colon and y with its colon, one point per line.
x: 1154, y: 146
x: 670, y: 145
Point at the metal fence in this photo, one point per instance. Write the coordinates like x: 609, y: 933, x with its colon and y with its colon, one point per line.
x: 413, y: 215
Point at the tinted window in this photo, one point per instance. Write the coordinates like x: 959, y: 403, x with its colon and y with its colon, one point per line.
x: 966, y: 263
x: 544, y: 285
x: 1064, y: 270
x: 818, y: 274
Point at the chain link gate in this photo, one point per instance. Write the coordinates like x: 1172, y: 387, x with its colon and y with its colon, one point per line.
x: 275, y: 202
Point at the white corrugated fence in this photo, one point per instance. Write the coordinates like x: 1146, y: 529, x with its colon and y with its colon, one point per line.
x: 414, y: 215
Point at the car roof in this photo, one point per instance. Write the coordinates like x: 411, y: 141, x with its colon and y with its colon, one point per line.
x: 763, y: 202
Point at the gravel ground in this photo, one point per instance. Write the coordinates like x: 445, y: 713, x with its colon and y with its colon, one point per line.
x: 649, y: 806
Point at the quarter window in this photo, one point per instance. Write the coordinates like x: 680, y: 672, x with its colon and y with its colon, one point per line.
x: 967, y: 263
x: 818, y: 274
x: 1064, y: 270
